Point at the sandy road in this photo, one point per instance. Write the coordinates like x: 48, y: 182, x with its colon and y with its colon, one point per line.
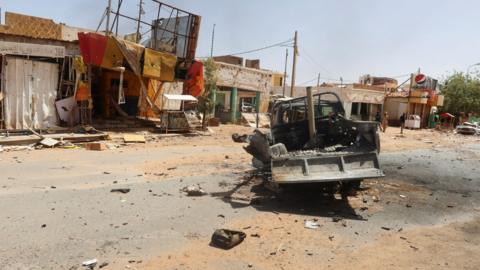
x: 433, y: 225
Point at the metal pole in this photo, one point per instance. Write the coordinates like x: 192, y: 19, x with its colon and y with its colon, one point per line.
x: 109, y: 12
x: 285, y: 73
x: 140, y: 10
x: 213, y: 40
x: 409, y: 94
x: 311, y: 113
x: 295, y: 52
x: 318, y: 81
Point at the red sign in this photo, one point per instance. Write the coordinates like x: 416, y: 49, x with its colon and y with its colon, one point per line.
x: 420, y: 79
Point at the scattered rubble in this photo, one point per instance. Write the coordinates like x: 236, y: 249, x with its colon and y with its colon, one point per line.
x: 49, y: 142
x: 227, y: 239
x: 120, y: 190
x: 90, y: 264
x: 310, y: 224
x: 194, y: 191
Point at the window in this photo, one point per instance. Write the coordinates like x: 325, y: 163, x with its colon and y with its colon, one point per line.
x: 355, y: 108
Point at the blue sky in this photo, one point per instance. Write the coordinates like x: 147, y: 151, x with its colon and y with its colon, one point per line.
x: 337, y: 38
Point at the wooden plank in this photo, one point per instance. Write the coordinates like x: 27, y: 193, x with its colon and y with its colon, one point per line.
x: 132, y: 138
x: 30, y: 139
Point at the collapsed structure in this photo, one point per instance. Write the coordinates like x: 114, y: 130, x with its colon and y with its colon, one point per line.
x: 55, y: 75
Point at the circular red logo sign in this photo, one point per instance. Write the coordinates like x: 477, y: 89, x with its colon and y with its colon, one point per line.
x: 420, y: 79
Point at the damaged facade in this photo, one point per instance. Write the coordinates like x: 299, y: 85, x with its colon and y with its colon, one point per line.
x: 33, y: 53
x: 55, y: 75
x: 242, y: 89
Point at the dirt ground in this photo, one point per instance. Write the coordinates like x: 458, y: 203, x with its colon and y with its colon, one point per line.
x: 425, y: 214
x: 392, y: 140
x: 280, y: 241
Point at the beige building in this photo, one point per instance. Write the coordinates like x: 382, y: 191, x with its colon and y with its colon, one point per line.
x: 242, y: 89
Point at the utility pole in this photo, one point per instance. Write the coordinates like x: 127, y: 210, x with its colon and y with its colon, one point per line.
x: 109, y: 12
x: 213, y: 40
x: 318, y: 80
x: 140, y: 12
x: 311, y: 113
x: 295, y: 52
x: 285, y: 73
x: 410, y: 93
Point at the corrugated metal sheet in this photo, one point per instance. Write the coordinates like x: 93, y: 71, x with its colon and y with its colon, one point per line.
x: 30, y: 92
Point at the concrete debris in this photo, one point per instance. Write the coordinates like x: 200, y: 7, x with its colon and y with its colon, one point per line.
x: 194, y: 191
x: 90, y: 264
x: 19, y: 147
x: 49, y: 142
x: 227, y: 239
x: 95, y: 146
x: 120, y: 190
x: 310, y: 224
x: 112, y: 146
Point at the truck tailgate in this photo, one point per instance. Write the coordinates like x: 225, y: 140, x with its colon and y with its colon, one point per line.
x: 328, y: 168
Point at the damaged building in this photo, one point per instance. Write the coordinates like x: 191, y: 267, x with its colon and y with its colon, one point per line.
x: 34, y: 53
x: 361, y: 101
x: 243, y: 88
x: 55, y: 75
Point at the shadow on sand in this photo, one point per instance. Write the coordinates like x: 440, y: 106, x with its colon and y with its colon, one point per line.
x: 320, y: 200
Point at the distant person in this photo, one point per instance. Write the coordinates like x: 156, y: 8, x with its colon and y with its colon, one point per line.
x: 402, y: 122
x: 385, y: 122
x: 378, y: 119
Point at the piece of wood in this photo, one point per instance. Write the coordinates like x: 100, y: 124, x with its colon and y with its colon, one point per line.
x: 30, y: 139
x: 132, y: 138
x: 35, y: 133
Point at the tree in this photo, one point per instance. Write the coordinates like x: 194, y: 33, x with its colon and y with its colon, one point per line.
x: 206, y: 100
x: 462, y: 93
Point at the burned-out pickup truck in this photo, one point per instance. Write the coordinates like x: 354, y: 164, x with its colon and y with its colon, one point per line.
x: 310, y: 141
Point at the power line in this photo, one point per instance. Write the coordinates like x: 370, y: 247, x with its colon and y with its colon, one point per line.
x: 312, y: 60
x: 328, y: 79
x: 263, y: 48
x: 280, y: 44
